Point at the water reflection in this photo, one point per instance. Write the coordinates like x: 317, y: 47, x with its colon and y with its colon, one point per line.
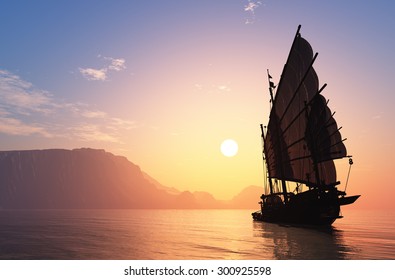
x: 187, y: 234
x: 289, y: 242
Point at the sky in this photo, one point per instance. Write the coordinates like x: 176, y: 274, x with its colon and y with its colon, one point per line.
x: 164, y: 83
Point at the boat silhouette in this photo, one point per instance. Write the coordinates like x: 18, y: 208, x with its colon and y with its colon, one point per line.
x: 300, y: 143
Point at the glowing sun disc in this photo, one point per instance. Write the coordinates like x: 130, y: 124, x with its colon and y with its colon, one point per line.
x: 229, y: 148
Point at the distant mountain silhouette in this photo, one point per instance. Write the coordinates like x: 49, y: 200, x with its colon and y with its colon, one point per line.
x: 90, y: 178
x: 248, y: 198
x: 159, y: 185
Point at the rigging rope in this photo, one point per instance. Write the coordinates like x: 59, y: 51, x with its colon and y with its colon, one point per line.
x: 348, y: 176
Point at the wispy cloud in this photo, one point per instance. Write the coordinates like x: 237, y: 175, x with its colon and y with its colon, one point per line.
x: 222, y: 88
x: 94, y: 74
x: 101, y: 74
x: 250, y: 9
x: 26, y: 110
x: 116, y: 64
x: 12, y: 126
x: 22, y: 96
x: 93, y: 133
x: 198, y: 86
x: 126, y: 124
x: 93, y: 114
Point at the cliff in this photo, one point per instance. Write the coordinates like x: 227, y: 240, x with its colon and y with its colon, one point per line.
x: 89, y: 178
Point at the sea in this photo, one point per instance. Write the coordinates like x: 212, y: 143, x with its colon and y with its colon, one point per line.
x: 189, y: 235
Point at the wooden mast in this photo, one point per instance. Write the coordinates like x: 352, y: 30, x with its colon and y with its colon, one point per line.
x: 266, y: 159
x: 273, y: 100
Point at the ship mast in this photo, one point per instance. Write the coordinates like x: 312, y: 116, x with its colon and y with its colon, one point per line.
x: 273, y: 100
x: 267, y: 160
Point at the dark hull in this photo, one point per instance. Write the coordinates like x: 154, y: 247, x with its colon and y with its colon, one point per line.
x: 307, y: 208
x: 348, y: 199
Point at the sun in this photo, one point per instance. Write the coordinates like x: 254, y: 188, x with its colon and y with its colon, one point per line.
x: 229, y: 148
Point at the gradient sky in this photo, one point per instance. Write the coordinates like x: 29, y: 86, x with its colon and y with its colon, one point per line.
x: 165, y: 82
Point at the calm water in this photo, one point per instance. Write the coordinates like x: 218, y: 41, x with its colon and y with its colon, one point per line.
x: 188, y: 234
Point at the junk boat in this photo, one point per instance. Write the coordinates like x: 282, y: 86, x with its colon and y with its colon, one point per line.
x: 300, y: 143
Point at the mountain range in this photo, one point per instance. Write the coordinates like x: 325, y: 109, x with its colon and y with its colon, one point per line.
x: 95, y: 179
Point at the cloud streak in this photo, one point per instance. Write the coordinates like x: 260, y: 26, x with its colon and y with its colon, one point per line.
x: 113, y: 64
x: 26, y: 110
x: 250, y: 8
x: 116, y: 64
x: 212, y: 89
x: 94, y: 74
x: 22, y: 96
x: 12, y: 126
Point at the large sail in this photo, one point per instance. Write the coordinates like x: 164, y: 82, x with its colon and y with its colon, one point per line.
x: 302, y: 136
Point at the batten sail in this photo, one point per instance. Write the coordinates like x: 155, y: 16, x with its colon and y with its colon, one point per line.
x: 300, y: 144
x: 302, y: 136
